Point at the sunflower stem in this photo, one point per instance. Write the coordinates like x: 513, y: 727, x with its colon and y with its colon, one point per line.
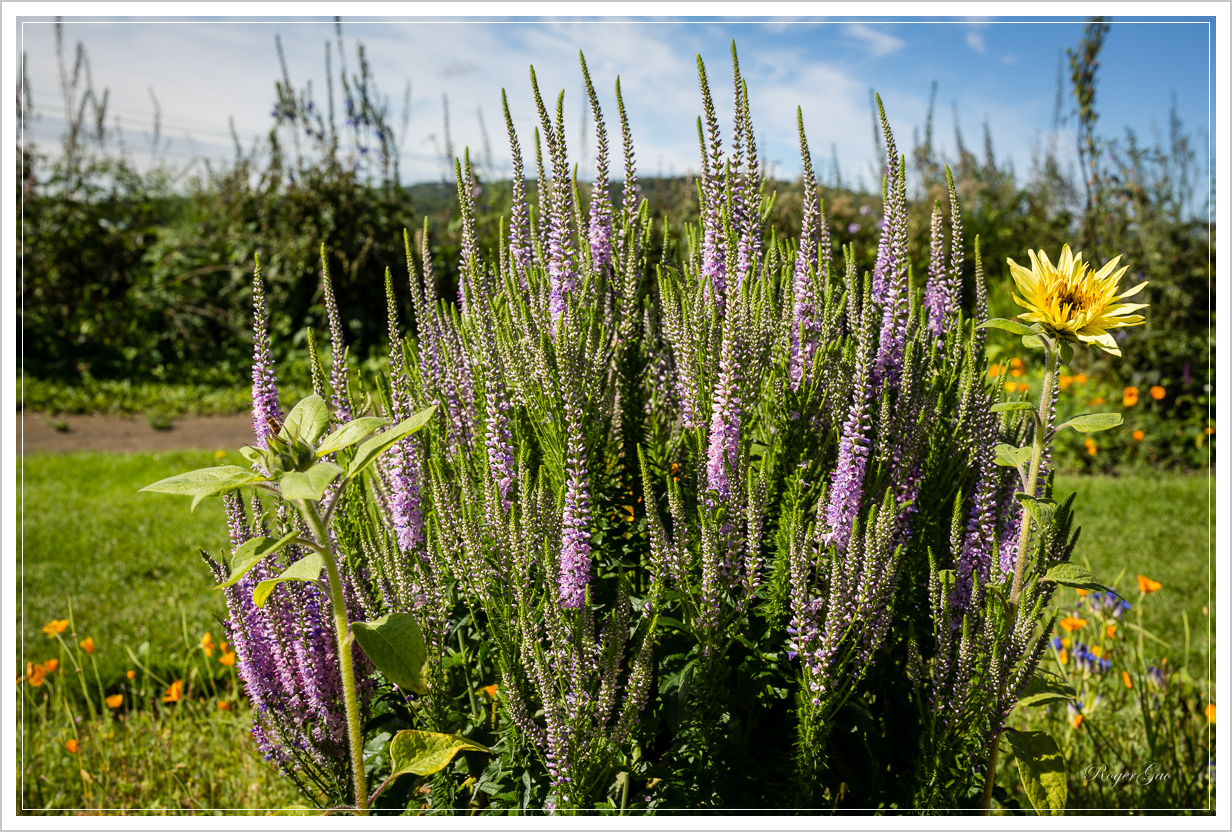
x: 1043, y: 435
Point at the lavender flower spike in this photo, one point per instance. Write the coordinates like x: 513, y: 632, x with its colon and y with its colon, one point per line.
x: 936, y: 294
x: 264, y: 382
x: 338, y: 371
x: 804, y: 326
x: 725, y: 420
x: 600, y: 230
x: 575, y: 543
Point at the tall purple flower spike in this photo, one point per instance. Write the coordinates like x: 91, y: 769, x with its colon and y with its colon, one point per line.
x: 575, y: 542
x: 892, y: 271
x: 942, y: 295
x: 724, y: 438
x: 520, y: 248
x: 264, y: 381
x: 714, y: 239
x: 402, y: 462
x: 341, y: 399
x: 562, y: 269
x: 804, y: 323
x: 600, y: 229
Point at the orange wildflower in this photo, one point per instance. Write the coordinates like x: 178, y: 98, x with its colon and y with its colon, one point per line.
x: 1017, y: 368
x: 1129, y: 683
x: 1157, y: 392
x: 228, y: 656
x: 174, y: 693
x: 35, y: 674
x: 224, y: 706
x: 1083, y: 592
x: 1063, y: 657
x: 1078, y: 720
x: 1130, y: 396
x: 1010, y: 387
x: 1066, y: 380
x: 1097, y: 651
x: 1097, y: 400
x: 1110, y: 631
x: 994, y: 370
x: 132, y: 674
x: 1065, y: 642
x: 207, y: 644
x: 88, y: 644
x: 1090, y: 445
x: 52, y: 665
x: 490, y: 690
x: 1210, y: 713
x: 1081, y: 378
x: 115, y: 700
x: 53, y: 628
x: 1147, y: 585
x: 1069, y: 623
x: 71, y: 745
x: 1139, y: 436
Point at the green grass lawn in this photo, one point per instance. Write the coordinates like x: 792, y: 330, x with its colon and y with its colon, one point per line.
x: 1161, y: 526
x: 127, y: 561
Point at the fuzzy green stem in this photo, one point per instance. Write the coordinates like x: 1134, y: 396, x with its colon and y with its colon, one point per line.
x: 1043, y: 427
x: 343, y: 628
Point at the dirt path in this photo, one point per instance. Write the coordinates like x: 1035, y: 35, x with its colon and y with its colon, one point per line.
x: 130, y: 434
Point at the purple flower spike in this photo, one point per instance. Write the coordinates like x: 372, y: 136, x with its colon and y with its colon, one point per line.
x: 575, y: 540
x: 341, y: 400
x: 264, y: 382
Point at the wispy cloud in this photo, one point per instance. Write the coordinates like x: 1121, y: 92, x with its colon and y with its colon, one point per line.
x: 976, y: 41
x: 877, y: 42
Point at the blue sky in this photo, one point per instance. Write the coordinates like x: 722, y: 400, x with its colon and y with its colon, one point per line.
x: 1002, y: 71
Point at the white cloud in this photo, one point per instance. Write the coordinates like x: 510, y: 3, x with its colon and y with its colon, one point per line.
x: 877, y: 42
x: 976, y: 41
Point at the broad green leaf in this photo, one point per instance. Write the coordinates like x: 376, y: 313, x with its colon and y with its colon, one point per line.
x: 395, y: 644
x: 1041, y: 508
x: 948, y: 579
x: 1004, y: 406
x: 194, y: 481
x: 1066, y: 353
x: 1032, y: 342
x: 307, y: 421
x: 305, y: 569
x: 1042, y: 769
x: 250, y: 553
x: 424, y: 752
x: 1008, y: 326
x: 253, y: 455
x: 1092, y: 422
x: 373, y: 447
x: 225, y: 486
x: 1045, y: 689
x: 1008, y: 456
x: 310, y: 484
x: 1071, y: 574
x: 350, y: 433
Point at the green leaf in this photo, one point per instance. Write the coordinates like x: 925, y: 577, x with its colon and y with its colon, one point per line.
x: 948, y: 579
x: 1041, y: 508
x: 1066, y: 352
x: 1071, y: 574
x: 395, y: 644
x: 1045, y: 689
x: 194, y: 481
x: 1032, y: 342
x: 373, y: 447
x: 350, y: 433
x: 305, y: 569
x: 1092, y: 422
x: 1042, y: 769
x: 1006, y: 406
x: 1007, y: 456
x: 424, y: 752
x: 251, y: 553
x: 310, y: 484
x: 1008, y: 326
x: 307, y: 421
x: 225, y: 485
x: 253, y: 455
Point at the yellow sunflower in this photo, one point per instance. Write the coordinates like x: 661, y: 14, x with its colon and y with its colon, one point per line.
x: 1072, y: 301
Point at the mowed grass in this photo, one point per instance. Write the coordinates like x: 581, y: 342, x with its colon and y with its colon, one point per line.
x: 128, y: 561
x: 1161, y: 526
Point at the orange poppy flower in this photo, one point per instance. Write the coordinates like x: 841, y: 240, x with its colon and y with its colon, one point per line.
x: 994, y: 370
x: 174, y: 693
x: 115, y: 700
x: 1097, y: 400
x: 1063, y: 657
x: 88, y: 644
x: 1210, y: 713
x: 35, y: 674
x: 1069, y: 623
x: 1130, y: 396
x: 52, y: 665
x: 52, y: 628
x: 1110, y: 631
x: 227, y: 658
x: 1081, y: 378
x: 490, y: 690
x: 1129, y: 683
x: 1078, y: 720
x: 207, y: 644
x: 132, y: 674
x: 1157, y: 392
x: 71, y: 745
x: 1082, y: 592
x: 1147, y: 585
x: 224, y: 706
x: 1065, y: 381
x: 1090, y: 445
x: 1139, y: 436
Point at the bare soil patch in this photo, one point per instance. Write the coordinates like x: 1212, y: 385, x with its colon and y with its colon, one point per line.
x: 130, y: 434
